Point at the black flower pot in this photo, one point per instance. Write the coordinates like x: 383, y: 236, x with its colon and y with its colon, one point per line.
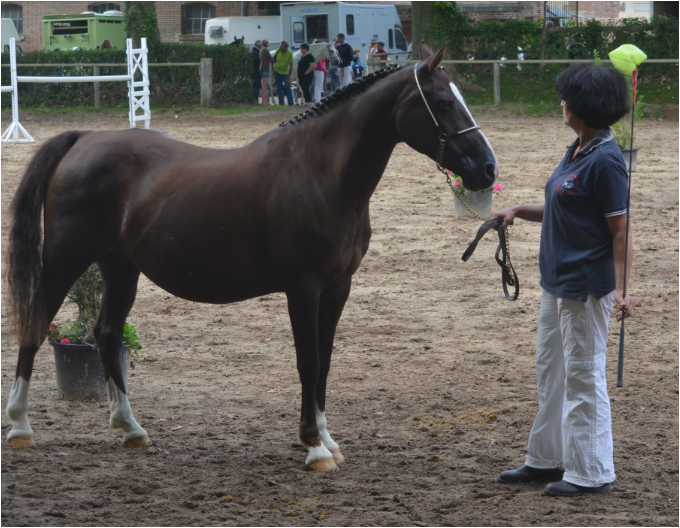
x: 79, y: 371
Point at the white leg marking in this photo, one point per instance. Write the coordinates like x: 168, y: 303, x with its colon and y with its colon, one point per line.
x: 317, y: 453
x: 322, y: 424
x: 17, y: 409
x: 121, y: 413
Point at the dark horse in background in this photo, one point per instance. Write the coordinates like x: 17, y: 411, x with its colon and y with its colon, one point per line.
x: 220, y: 226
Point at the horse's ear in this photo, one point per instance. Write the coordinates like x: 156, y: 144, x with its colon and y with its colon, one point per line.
x: 436, y: 59
x: 424, y: 50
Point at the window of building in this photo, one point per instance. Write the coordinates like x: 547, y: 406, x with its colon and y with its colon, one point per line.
x: 103, y: 8
x: 195, y: 17
x: 350, y: 24
x: 14, y: 12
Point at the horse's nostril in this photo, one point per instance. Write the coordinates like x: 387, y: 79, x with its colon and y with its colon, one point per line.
x: 490, y: 171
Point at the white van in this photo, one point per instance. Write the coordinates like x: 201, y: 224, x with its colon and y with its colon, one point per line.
x: 360, y: 23
x: 9, y: 30
x: 223, y: 30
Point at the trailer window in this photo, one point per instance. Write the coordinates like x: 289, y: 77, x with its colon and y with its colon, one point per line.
x: 317, y: 28
x: 350, y: 24
x: 401, y: 40
x: 75, y: 27
x: 298, y: 32
x: 390, y: 37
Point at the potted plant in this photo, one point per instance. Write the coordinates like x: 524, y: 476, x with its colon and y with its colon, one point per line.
x: 621, y: 132
x: 480, y: 202
x: 79, y: 371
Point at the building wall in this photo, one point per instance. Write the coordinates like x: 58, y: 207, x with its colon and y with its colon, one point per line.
x: 602, y: 11
x: 502, y: 11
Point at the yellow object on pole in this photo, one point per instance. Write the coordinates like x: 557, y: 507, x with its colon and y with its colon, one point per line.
x: 627, y: 57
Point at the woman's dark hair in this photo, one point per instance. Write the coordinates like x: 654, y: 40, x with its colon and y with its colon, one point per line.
x: 599, y: 95
x: 305, y: 46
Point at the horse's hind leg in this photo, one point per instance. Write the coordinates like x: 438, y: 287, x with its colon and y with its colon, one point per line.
x: 57, y: 278
x: 120, y: 278
x: 332, y: 303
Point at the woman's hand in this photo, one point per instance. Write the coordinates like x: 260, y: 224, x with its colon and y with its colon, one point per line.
x: 508, y: 216
x: 626, y: 305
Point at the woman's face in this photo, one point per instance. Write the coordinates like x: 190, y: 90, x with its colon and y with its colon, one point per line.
x: 570, y: 119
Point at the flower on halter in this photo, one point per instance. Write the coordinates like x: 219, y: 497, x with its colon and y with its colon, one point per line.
x: 65, y: 341
x: 457, y: 183
x: 52, y: 325
x: 498, y: 187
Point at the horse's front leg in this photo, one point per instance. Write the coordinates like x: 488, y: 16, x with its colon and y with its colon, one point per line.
x: 303, y: 307
x: 332, y: 303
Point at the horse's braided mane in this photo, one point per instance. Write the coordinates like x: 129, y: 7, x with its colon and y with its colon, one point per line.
x: 342, y: 94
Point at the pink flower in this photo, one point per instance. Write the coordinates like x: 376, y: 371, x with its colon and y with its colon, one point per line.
x: 498, y: 187
x: 52, y: 325
x: 65, y: 341
x: 457, y: 183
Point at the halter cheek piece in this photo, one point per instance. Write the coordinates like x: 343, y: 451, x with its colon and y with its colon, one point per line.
x: 443, y: 136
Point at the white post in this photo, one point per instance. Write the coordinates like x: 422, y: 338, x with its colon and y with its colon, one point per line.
x: 137, y: 60
x: 13, y: 132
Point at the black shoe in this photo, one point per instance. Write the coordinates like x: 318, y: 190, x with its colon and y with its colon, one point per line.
x: 529, y: 474
x: 567, y: 489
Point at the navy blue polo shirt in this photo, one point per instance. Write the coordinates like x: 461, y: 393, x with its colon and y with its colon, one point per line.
x: 577, y: 256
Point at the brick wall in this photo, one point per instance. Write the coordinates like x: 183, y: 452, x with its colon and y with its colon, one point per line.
x: 502, y: 11
x: 601, y: 10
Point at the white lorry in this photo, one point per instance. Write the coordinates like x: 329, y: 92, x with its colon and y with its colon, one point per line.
x: 225, y: 30
x: 9, y: 31
x: 360, y: 23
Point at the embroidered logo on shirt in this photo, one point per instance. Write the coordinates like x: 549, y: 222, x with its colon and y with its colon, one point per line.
x: 568, y: 185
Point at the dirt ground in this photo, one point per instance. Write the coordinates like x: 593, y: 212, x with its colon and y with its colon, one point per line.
x: 432, y: 389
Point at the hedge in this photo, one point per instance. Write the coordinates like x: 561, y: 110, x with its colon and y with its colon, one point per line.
x: 180, y: 85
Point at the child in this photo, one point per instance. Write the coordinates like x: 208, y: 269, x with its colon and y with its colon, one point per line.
x: 335, y: 75
x: 357, y: 69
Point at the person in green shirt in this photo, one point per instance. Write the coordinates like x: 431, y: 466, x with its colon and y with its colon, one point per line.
x: 283, y: 66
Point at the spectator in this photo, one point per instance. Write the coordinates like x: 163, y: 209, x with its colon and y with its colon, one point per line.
x: 334, y: 75
x: 6, y: 48
x: 106, y: 44
x: 371, y: 60
x: 305, y: 71
x: 283, y: 67
x: 346, y: 55
x: 357, y: 54
x: 319, y: 76
x: 382, y: 52
x: 266, y: 63
x: 357, y: 69
x: 257, y: 76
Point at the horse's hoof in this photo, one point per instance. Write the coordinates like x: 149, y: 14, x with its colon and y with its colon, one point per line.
x: 338, y: 457
x: 323, y: 464
x: 140, y: 441
x: 22, y: 442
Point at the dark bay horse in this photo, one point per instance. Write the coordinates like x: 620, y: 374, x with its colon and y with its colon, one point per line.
x: 219, y: 226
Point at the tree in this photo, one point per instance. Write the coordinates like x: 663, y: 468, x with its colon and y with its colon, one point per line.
x: 420, y: 13
x: 140, y: 21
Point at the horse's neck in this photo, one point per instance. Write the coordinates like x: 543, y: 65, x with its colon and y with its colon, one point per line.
x: 365, y: 135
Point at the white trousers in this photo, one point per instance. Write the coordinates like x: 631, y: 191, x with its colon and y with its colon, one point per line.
x: 318, y: 88
x: 573, y: 427
x: 345, y: 76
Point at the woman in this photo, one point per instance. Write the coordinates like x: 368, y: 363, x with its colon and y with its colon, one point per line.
x: 266, y: 62
x: 306, y: 71
x: 371, y: 60
x: 581, y: 262
x: 319, y: 75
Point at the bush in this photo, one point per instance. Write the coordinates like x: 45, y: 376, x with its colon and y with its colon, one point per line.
x: 232, y: 69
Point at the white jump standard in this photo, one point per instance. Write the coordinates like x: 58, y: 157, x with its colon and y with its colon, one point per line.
x: 137, y: 63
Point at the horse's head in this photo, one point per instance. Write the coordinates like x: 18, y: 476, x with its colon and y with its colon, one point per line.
x: 466, y: 150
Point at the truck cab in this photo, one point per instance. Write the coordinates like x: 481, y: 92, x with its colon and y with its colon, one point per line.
x: 360, y: 23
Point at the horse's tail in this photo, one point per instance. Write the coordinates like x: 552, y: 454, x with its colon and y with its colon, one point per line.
x: 26, y: 295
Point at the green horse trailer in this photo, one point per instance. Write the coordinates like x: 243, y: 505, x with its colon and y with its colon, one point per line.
x: 85, y: 31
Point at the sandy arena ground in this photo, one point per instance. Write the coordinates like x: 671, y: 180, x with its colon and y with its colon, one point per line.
x: 425, y: 339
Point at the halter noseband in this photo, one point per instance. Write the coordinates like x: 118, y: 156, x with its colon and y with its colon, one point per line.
x: 442, y: 135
